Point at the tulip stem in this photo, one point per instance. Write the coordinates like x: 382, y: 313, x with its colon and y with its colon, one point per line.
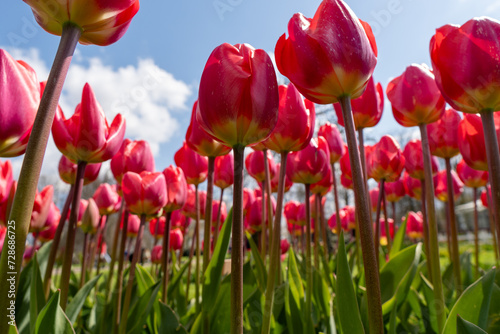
x: 165, y: 251
x: 114, y: 250
x: 393, y: 204
x: 269, y: 206
x: 70, y: 238
x: 316, y: 232
x: 24, y: 198
x: 476, y: 233
x: 309, y: 269
x: 208, y: 213
x: 492, y: 225
x: 101, y: 231
x: 365, y: 229
x: 217, y: 222
x: 237, y: 244
x: 100, y: 247
x: 426, y: 230
x: 274, y: 260
x: 386, y: 218
x: 197, y: 233
x: 326, y: 253
x: 377, y: 220
x: 493, y: 157
x: 55, y: 243
x: 191, y: 254
x: 453, y: 229
x: 336, y: 198
x: 263, y: 231
x: 131, y: 276
x: 119, y: 281
x: 84, y: 259
x: 433, y: 231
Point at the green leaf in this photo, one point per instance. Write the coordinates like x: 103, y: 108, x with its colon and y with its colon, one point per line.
x: 176, y: 280
x: 37, y: 296
x: 294, y: 297
x: 23, y: 299
x: 52, y: 318
x: 142, y: 308
x: 473, y: 305
x: 144, y: 279
x: 397, y: 243
x: 260, y: 268
x: 347, y: 304
x: 393, y: 272
x: 428, y: 291
x: 213, y: 273
x: 77, y: 302
x: 169, y: 321
x: 220, y: 317
x: 465, y: 327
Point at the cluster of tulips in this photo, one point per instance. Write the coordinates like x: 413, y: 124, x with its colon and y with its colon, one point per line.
x: 328, y: 59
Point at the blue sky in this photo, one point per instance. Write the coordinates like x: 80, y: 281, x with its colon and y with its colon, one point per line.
x: 152, y: 73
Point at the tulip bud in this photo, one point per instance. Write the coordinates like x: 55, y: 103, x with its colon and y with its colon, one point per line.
x: 224, y: 171
x: 67, y: 171
x: 5, y: 180
x: 90, y: 219
x: 254, y: 163
x: 275, y: 180
x: 309, y: 165
x: 194, y: 166
x: 415, y: 225
x: 157, y: 227
x: 41, y: 209
x: 386, y: 160
x: 413, y: 187
x: 470, y: 177
x: 176, y: 239
x: 443, y: 135
x: 394, y: 191
x: 156, y: 254
x: 176, y: 188
x: 145, y: 193
x: 334, y: 140
x: 19, y: 100
x: 133, y: 224
x: 291, y: 209
x: 51, y: 224
x: 414, y: 160
x: 441, y: 186
x: 107, y: 199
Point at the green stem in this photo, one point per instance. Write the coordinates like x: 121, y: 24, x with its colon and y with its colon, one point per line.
x: 336, y: 198
x: 131, y: 276
x: 426, y: 230
x: 476, y: 234
x: 99, y: 247
x: 24, y: 198
x: 84, y: 259
x: 493, y: 157
x: 433, y: 231
x: 55, y: 243
x: 309, y: 269
x: 237, y: 244
x: 274, y: 260
x: 114, y: 249
x: 453, y: 229
x: 269, y: 206
x: 197, y: 268
x: 263, y: 232
x: 316, y: 232
x: 191, y: 254
x: 208, y: 213
x: 365, y: 229
x: 70, y: 238
x: 326, y: 253
x: 387, y: 232
x: 377, y: 220
x: 217, y: 222
x: 165, y: 252
x: 119, y: 281
x: 492, y: 226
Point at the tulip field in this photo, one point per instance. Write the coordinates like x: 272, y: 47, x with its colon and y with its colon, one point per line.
x: 276, y: 218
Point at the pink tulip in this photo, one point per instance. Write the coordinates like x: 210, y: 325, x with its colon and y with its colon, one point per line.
x: 472, y: 178
x: 133, y: 225
x: 90, y: 218
x: 311, y: 164
x: 334, y: 140
x: 67, y: 171
x: 176, y: 188
x: 51, y: 223
x: 156, y: 254
x: 415, y: 225
x: 134, y: 156
x: 176, y: 238
x: 194, y: 166
x: 144, y: 193
x: 107, y: 199
x: 224, y: 171
x: 5, y: 180
x: 441, y: 186
x: 254, y: 163
x: 41, y: 209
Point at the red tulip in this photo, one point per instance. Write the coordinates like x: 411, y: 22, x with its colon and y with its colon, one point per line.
x: 471, y: 140
x: 176, y: 188
x: 291, y: 210
x: 484, y: 197
x: 374, y: 194
x: 200, y: 141
x: 133, y: 225
x: 349, y: 219
x: 443, y: 135
x: 346, y: 181
x: 248, y: 199
x: 311, y: 164
x: 415, y: 97
x: 465, y: 61
x: 189, y: 208
x: 296, y: 121
x: 415, y: 225
x: 414, y: 160
x: 334, y: 140
x: 107, y: 199
x: 386, y: 160
x: 180, y: 221
x: 224, y: 171
x: 90, y: 218
x: 156, y: 254
x: 284, y: 246
x: 215, y: 211
x: 441, y: 187
x: 51, y: 224
x: 238, y: 95
x: 145, y: 193
x: 86, y: 136
x: 413, y: 187
x: 134, y: 156
x: 275, y: 180
x: 332, y: 222
x: 366, y: 109
x: 324, y: 186
x: 254, y: 163
x: 157, y: 227
x: 394, y: 191
x: 3, y: 232
x: 102, y: 22
x: 19, y: 100
x: 7, y: 205
x: 81, y: 209
x: 5, y: 180
x: 176, y: 239
x: 383, y: 233
x: 194, y: 166
x: 254, y: 214
x: 295, y: 230
x: 67, y: 171
x: 470, y: 177
x: 329, y: 56
x: 41, y: 209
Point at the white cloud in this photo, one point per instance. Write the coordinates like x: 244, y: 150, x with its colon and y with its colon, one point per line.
x: 146, y: 95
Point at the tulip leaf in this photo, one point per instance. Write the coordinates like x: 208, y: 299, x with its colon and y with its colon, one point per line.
x: 397, y: 243
x: 176, y: 280
x: 37, y: 297
x: 347, y: 303
x: 169, y: 321
x: 52, y: 318
x: 77, y: 302
x: 221, y: 313
x: 260, y: 268
x: 213, y: 273
x: 473, y: 305
x: 428, y: 291
x: 143, y: 278
x: 294, y: 297
x: 393, y: 272
x: 466, y: 327
x: 23, y: 299
x: 141, y: 310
